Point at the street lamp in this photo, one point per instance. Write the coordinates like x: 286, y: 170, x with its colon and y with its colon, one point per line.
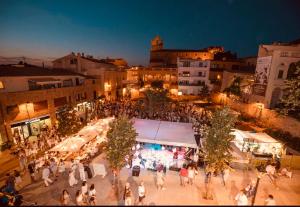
x: 28, y: 117
x: 259, y: 176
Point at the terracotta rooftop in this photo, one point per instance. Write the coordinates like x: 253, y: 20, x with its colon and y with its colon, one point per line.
x: 30, y: 70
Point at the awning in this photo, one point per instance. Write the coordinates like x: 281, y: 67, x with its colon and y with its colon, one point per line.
x: 44, y: 81
x: 165, y: 133
x: 258, y: 137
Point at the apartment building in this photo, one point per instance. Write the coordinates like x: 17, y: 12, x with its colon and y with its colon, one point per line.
x: 111, y: 72
x: 31, y: 96
x: 272, y: 69
x: 193, y: 75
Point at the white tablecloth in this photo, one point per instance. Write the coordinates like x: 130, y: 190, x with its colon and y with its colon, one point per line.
x: 98, y: 169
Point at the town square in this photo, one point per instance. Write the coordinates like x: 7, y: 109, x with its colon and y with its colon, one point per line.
x: 98, y: 108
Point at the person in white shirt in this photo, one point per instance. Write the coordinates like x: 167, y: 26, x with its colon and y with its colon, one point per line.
x: 61, y: 167
x: 45, y: 176
x: 270, y: 201
x: 92, y: 194
x: 191, y: 175
x: 84, y: 191
x: 141, y: 192
x: 241, y: 198
x: 72, y: 179
x: 81, y: 171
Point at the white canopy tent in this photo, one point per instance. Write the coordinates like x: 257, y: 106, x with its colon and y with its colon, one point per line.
x: 165, y: 133
x: 264, y: 142
x: 72, y: 144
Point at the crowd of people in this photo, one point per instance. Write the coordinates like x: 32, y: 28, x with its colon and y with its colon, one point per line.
x: 53, y: 169
x: 174, y: 112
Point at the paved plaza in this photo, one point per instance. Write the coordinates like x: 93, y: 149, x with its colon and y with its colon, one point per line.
x: 287, y: 194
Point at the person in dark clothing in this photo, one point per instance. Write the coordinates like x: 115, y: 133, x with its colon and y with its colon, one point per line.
x: 31, y: 168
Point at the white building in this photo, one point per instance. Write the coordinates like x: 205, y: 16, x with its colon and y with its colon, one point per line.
x: 193, y: 75
x: 272, y: 69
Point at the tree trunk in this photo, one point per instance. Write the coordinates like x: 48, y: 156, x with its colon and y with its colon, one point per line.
x: 208, y: 189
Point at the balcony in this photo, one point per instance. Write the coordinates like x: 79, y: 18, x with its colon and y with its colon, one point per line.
x: 190, y: 84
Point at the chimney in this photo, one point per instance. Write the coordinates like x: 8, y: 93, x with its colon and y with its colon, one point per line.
x: 82, y: 54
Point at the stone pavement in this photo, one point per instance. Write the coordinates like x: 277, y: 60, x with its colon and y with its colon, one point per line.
x: 8, y: 163
x: 288, y: 194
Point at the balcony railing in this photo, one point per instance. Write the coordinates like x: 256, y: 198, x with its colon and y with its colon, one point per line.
x: 191, y: 84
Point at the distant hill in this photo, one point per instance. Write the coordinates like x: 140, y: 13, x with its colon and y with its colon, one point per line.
x: 32, y: 61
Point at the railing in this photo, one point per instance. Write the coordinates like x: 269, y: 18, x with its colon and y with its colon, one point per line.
x: 191, y: 84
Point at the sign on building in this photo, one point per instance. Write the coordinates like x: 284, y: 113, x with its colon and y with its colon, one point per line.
x: 261, y: 75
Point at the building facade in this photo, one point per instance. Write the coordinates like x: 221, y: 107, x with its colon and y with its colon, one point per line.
x: 31, y: 96
x: 272, y: 70
x: 165, y: 58
x: 142, y: 77
x: 193, y: 76
x: 111, y: 72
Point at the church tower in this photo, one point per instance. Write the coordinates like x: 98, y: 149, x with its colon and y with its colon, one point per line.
x: 157, y: 43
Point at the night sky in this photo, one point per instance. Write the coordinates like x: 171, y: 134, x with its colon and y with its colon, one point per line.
x: 124, y: 28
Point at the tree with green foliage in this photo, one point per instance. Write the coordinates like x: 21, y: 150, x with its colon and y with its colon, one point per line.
x: 205, y: 91
x: 157, y: 84
x: 234, y: 88
x: 156, y: 99
x: 290, y: 101
x: 121, y: 137
x: 217, y: 145
x: 68, y: 121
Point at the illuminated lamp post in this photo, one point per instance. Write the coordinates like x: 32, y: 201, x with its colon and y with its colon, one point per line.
x: 260, y: 107
x: 259, y: 176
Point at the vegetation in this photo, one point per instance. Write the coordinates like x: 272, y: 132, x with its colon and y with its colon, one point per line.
x: 121, y: 138
x: 68, y: 122
x: 290, y: 102
x: 235, y: 87
x: 156, y: 98
x: 217, y: 147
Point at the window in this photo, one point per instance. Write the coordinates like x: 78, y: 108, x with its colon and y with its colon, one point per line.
x: 67, y: 83
x: 186, y: 73
x: 73, y: 61
x: 1, y: 85
x: 200, y: 64
x: 186, y: 64
x: 200, y: 74
x: 280, y: 74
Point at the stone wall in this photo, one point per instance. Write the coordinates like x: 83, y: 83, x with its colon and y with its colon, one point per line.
x: 268, y: 117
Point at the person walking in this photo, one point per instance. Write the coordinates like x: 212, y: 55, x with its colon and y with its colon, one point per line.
x: 61, y: 167
x: 72, y: 179
x: 241, y: 198
x: 65, y: 198
x: 79, y: 199
x: 191, y: 175
x: 225, y: 174
x: 160, y: 180
x: 31, y: 168
x: 84, y: 191
x: 127, y: 195
x: 270, y: 201
x: 141, y: 193
x: 53, y: 167
x: 81, y: 171
x: 18, y: 179
x: 92, y: 194
x: 183, y: 173
x: 45, y: 176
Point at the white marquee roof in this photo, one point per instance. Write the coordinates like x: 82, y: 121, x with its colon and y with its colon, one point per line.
x: 259, y: 137
x: 165, y: 133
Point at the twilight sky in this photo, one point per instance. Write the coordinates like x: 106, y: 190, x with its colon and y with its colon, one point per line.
x: 124, y: 28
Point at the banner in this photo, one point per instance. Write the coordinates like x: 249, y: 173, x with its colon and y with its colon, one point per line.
x: 261, y: 75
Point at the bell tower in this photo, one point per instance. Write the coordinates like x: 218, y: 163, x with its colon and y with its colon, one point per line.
x: 157, y: 43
